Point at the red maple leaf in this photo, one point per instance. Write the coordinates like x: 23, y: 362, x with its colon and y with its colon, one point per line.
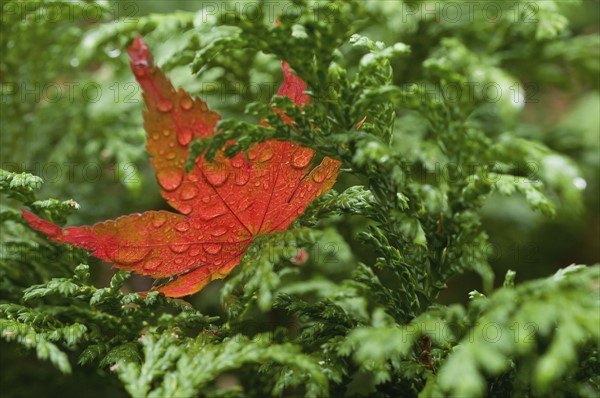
x: 222, y: 204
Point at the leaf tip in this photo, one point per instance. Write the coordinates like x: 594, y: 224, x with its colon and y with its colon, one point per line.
x: 46, y: 227
x: 141, y: 58
x: 293, y: 87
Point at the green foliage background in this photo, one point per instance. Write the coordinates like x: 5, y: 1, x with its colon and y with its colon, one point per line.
x: 479, y: 155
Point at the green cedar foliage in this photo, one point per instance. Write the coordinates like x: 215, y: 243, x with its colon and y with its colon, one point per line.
x: 404, y: 99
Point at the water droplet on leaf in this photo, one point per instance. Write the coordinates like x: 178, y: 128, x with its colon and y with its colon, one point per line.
x: 130, y: 254
x: 186, y: 103
x: 265, y: 155
x: 217, y: 176
x: 182, y: 226
x: 212, y: 248
x: 218, y: 231
x: 185, y: 209
x: 237, y: 162
x: 209, y: 213
x: 164, y: 105
x: 159, y: 219
x: 170, y: 179
x: 301, y: 158
x: 319, y: 175
x: 245, y: 204
x: 188, y: 192
x: 241, y: 178
x: 152, y: 263
x: 114, y: 53
x: 185, y: 136
x: 178, y: 248
x: 139, y: 71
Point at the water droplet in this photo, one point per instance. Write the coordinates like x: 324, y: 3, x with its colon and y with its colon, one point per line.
x: 179, y: 261
x: 217, y: 177
x: 171, y: 155
x: 152, y: 263
x: 179, y: 248
x: 209, y: 213
x: 182, y: 226
x: 170, y: 179
x: 185, y: 209
x: 193, y: 176
x: 212, y: 248
x: 244, y: 205
x: 301, y: 158
x: 139, y: 70
x: 185, y: 136
x: 171, y: 145
x: 206, y: 199
x: 580, y: 183
x: 218, y: 231
x: 194, y: 252
x: 159, y: 219
x: 166, y: 132
x: 241, y: 178
x: 237, y: 162
x: 164, y: 105
x: 114, y: 53
x: 319, y: 175
x: 197, y: 224
x: 186, y: 103
x: 265, y: 155
x: 161, y: 152
x: 188, y: 192
x: 155, y: 136
x: 130, y: 254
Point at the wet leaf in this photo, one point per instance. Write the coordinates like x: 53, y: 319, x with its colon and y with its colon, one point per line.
x: 222, y: 204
